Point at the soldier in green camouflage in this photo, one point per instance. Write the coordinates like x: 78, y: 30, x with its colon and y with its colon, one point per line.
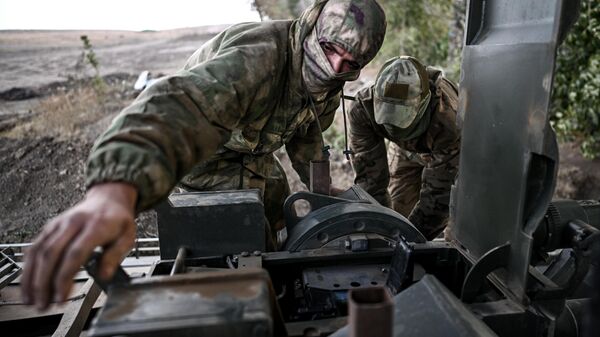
x: 213, y: 125
x: 414, y: 107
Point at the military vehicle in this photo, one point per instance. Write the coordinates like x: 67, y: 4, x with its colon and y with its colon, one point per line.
x: 516, y: 262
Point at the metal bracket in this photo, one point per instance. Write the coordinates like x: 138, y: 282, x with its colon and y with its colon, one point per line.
x: 77, y: 312
x: 583, y: 238
x: 490, y: 261
x: 246, y: 260
x: 9, y: 270
x: 315, y: 200
x: 92, y: 266
x: 401, y: 267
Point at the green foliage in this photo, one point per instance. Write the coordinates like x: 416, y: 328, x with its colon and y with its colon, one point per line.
x: 417, y: 28
x: 429, y: 30
x: 89, y: 56
x: 334, y: 137
x: 576, y: 91
x: 276, y: 9
x: 432, y: 30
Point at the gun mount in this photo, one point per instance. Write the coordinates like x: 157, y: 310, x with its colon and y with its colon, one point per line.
x: 517, y: 265
x: 303, y: 290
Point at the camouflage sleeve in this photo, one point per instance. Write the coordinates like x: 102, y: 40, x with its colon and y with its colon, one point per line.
x: 431, y: 211
x: 307, y: 144
x: 179, y: 121
x: 370, y: 156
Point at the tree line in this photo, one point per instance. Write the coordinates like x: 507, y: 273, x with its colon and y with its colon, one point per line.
x: 432, y: 30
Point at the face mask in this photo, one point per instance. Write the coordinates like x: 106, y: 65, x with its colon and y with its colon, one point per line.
x: 317, y: 72
x: 401, y: 114
x: 415, y: 129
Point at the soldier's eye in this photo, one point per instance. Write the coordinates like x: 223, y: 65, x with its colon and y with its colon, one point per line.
x: 327, y: 48
x: 353, y: 65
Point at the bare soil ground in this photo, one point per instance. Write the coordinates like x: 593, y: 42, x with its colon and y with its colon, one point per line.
x: 51, y: 112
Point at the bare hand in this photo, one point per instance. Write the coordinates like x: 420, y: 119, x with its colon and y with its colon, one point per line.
x: 104, y: 218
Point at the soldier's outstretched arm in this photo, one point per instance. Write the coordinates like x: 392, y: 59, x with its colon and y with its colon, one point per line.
x: 176, y: 123
x: 104, y: 218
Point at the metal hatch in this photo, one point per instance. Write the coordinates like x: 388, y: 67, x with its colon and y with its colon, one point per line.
x: 509, y: 155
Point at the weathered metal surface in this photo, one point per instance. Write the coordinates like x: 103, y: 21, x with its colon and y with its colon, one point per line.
x: 346, y: 277
x: 509, y: 318
x: 583, y: 238
x: 179, y: 264
x: 223, y: 303
x: 77, y: 312
x: 431, y: 300
x: 428, y: 308
x: 315, y: 328
x: 203, y: 221
x: 9, y: 270
x: 333, y: 220
x: 328, y: 224
x: 315, y: 201
x: 401, y: 267
x: 490, y: 261
x: 92, y: 267
x: 356, y: 192
x: 320, y: 179
x: 249, y: 261
x: 509, y: 154
x: 370, y: 312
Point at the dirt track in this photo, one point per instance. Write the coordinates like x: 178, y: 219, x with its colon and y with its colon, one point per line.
x: 34, y: 58
x: 49, y: 119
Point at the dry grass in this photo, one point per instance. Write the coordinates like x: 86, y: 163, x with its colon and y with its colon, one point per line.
x: 64, y: 114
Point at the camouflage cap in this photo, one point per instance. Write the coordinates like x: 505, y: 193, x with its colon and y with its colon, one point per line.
x: 401, y: 93
x: 358, y: 26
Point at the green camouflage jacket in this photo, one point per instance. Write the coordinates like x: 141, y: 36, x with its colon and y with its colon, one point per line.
x: 240, y: 93
x: 438, y: 147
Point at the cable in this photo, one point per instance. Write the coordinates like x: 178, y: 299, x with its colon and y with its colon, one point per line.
x: 347, y: 151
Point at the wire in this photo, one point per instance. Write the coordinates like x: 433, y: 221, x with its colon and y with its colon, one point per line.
x: 347, y: 150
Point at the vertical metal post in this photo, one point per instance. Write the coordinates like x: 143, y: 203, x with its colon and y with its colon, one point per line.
x: 370, y: 312
x: 320, y: 179
x: 179, y: 264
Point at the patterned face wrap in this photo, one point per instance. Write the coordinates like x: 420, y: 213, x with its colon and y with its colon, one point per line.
x: 317, y: 72
x: 358, y: 26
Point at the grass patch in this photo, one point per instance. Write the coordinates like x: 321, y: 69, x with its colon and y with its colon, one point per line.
x: 62, y: 114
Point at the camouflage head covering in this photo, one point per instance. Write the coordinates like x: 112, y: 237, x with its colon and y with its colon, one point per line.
x: 358, y: 26
x: 401, y: 96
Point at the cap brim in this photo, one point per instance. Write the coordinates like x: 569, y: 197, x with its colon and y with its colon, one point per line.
x: 400, y: 116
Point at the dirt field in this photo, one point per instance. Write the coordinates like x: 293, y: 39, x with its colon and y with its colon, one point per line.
x: 51, y: 112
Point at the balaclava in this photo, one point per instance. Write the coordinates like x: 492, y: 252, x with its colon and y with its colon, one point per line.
x: 358, y: 26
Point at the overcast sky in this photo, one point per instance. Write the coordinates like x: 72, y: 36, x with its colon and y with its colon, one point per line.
x: 122, y: 14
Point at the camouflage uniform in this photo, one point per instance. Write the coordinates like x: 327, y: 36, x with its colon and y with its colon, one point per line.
x: 215, y: 124
x: 422, y: 169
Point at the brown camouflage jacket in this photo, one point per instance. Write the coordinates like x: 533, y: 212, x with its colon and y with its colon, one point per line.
x: 438, y: 147
x: 240, y: 93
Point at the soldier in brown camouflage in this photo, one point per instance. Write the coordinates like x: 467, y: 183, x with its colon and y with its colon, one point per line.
x: 213, y: 125
x: 414, y: 107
